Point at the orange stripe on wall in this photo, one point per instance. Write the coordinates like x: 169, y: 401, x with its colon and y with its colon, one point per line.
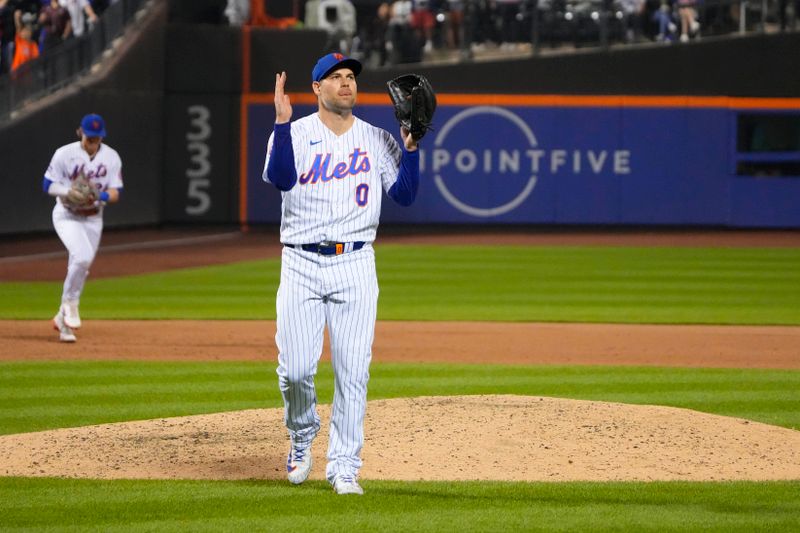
x: 533, y: 100
x: 555, y: 100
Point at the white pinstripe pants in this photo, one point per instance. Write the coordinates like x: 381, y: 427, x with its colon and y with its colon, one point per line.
x: 342, y: 292
x: 81, y: 237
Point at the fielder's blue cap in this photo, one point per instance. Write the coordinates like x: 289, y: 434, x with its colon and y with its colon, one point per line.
x: 93, y: 126
x: 331, y: 62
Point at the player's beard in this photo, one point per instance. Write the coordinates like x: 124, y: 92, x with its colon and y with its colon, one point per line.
x: 341, y: 106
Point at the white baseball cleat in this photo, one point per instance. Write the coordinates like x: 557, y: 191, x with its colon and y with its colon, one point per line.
x: 344, y: 484
x: 298, y: 465
x: 65, y: 333
x: 71, y: 316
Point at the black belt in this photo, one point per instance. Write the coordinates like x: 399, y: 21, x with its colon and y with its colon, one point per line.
x: 328, y: 248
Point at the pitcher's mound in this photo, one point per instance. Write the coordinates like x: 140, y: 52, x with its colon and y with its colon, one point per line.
x: 507, y: 438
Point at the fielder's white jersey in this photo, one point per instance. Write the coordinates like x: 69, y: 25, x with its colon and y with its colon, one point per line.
x: 338, y: 194
x: 104, y: 170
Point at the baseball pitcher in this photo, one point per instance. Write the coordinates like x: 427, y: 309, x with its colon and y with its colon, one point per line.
x: 331, y: 168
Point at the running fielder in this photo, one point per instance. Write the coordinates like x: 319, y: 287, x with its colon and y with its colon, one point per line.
x: 331, y: 168
x: 83, y: 176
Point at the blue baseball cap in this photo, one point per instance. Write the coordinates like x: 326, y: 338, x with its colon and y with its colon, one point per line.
x: 93, y: 126
x: 331, y: 62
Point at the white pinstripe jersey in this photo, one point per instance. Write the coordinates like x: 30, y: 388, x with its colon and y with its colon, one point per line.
x: 104, y: 170
x: 338, y: 195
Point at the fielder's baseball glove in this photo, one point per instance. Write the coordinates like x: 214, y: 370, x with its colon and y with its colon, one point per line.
x: 414, y: 103
x: 81, y: 194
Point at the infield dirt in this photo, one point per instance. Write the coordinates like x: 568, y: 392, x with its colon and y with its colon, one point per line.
x: 504, y: 438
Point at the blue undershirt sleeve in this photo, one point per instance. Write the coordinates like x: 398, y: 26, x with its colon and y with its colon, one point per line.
x: 404, y: 190
x: 281, y: 171
x: 46, y: 183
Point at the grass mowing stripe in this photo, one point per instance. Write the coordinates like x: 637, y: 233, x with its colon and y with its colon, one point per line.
x: 595, y: 284
x: 64, y: 394
x: 34, y: 372
x: 118, y: 397
x: 550, y: 273
x: 89, y: 505
x: 36, y: 396
x: 45, y: 373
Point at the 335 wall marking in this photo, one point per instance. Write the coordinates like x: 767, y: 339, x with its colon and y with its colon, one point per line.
x: 198, y: 171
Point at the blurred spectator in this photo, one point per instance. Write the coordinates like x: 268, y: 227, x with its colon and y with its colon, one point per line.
x: 688, y: 15
x: 26, y: 12
x: 484, y: 23
x: 663, y: 18
x: 721, y: 18
x: 632, y: 12
x: 31, y: 7
x: 237, y: 12
x: 341, y: 15
x: 79, y: 12
x: 422, y: 22
x: 25, y: 47
x: 337, y: 17
x: 55, y: 25
x: 7, y: 33
x: 99, y: 6
x: 374, y: 36
x: 509, y: 23
x: 402, y: 46
x: 454, y: 23
x: 786, y: 21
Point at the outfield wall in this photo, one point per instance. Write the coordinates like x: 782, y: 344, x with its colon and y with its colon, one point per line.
x: 586, y: 138
x: 575, y: 160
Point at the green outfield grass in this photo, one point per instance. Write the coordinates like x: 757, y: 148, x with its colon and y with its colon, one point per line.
x: 43, y: 395
x: 640, y: 285
x: 503, y: 283
x: 70, y: 505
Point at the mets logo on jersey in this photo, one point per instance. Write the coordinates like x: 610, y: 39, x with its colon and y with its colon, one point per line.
x: 319, y: 171
x: 100, y: 172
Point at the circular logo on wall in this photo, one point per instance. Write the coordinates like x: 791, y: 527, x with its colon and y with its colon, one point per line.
x: 455, y: 160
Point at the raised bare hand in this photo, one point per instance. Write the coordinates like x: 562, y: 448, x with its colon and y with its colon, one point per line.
x: 283, y: 108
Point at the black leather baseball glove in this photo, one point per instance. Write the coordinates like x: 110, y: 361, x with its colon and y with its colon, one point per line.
x: 414, y: 103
